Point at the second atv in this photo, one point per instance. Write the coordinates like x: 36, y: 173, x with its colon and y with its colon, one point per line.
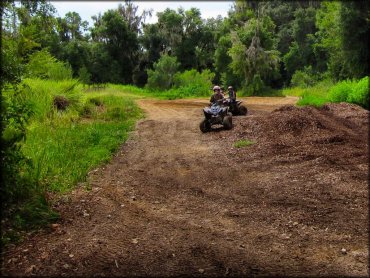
x: 236, y: 107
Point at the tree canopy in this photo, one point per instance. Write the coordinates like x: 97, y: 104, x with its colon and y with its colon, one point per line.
x: 260, y: 44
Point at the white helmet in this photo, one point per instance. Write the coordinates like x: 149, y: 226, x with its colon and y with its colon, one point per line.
x: 216, y: 88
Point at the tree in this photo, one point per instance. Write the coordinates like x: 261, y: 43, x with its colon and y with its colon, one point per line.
x: 253, y: 63
x: 130, y: 13
x: 301, y: 51
x: 72, y: 26
x: 253, y: 53
x: 162, y: 76
x: 170, y: 27
x: 355, y: 30
x: 343, y: 32
x: 182, y: 34
x: 119, y: 42
x: 207, y: 44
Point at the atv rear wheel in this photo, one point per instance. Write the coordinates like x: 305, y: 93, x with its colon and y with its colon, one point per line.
x: 227, y: 122
x: 205, y: 126
x: 243, y: 110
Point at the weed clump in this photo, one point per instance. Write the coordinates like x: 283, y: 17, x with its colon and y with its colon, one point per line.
x: 243, y: 143
x: 96, y: 101
x: 61, y: 103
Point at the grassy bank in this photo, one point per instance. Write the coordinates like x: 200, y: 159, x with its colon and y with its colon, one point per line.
x: 63, y: 144
x: 351, y: 91
x: 174, y: 93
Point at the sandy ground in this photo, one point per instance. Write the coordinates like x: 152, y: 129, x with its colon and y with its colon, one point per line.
x: 174, y: 201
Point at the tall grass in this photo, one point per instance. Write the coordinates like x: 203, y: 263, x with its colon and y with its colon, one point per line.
x: 40, y: 93
x: 65, y: 145
x: 63, y: 155
x: 351, y: 91
x: 182, y: 92
x: 62, y: 146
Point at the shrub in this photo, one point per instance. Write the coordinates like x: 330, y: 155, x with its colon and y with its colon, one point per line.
x: 356, y: 92
x: 194, y: 83
x: 41, y: 95
x: 256, y: 87
x: 302, y: 79
x: 340, y: 91
x: 60, y: 103
x: 312, y: 99
x: 84, y: 75
x: 360, y: 93
x: 14, y: 119
x: 164, y: 71
x: 43, y: 65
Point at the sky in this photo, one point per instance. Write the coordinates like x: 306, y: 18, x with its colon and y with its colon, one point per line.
x: 86, y: 9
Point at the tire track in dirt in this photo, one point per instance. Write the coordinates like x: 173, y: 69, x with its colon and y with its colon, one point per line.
x: 174, y: 201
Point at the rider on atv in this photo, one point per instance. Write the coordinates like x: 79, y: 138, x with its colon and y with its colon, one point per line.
x: 236, y: 108
x: 232, y: 94
x: 217, y: 96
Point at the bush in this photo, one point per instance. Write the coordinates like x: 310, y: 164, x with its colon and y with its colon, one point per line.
x: 14, y: 119
x: 255, y: 88
x: 360, y: 93
x: 340, y: 91
x: 41, y: 93
x: 312, y: 99
x: 43, y: 65
x: 302, y: 79
x: 164, y: 71
x: 356, y: 92
x: 197, y: 84
x: 84, y: 75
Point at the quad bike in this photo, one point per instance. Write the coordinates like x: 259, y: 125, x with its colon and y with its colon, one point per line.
x: 216, y: 115
x: 236, y: 108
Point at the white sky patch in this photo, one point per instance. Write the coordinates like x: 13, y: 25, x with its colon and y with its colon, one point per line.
x: 86, y: 9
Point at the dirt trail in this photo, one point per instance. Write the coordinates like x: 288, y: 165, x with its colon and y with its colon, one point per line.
x: 174, y: 201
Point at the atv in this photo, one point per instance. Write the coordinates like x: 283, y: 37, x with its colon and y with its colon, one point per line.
x: 236, y: 108
x: 216, y: 115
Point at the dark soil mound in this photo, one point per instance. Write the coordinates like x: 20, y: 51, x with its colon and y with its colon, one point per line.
x: 341, y: 121
x: 333, y: 133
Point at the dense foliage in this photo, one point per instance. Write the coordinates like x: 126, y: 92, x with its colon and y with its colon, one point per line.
x: 261, y: 44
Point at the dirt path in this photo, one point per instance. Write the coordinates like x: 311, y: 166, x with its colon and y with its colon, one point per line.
x: 174, y: 201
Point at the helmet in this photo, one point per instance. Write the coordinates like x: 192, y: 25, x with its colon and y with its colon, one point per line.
x: 216, y: 88
x: 230, y: 88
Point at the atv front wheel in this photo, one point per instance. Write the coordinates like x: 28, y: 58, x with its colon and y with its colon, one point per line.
x: 243, y: 110
x: 227, y: 122
x: 205, y: 126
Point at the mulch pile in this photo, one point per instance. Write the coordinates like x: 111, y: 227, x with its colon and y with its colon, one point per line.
x: 335, y: 133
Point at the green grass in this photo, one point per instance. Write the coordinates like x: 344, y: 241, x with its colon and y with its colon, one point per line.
x: 174, y: 93
x: 40, y: 93
x: 351, y: 91
x: 64, y: 151
x: 63, y: 146
x: 63, y: 155
x: 243, y: 143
